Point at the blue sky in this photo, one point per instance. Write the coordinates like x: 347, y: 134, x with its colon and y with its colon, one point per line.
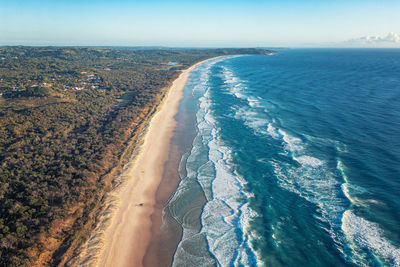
x: 194, y: 23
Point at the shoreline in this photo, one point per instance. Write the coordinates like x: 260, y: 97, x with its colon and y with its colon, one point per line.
x: 125, y: 239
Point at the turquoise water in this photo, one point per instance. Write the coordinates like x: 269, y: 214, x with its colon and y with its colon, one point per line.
x: 294, y: 161
x: 173, y: 63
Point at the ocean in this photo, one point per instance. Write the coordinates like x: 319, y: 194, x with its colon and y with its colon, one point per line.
x: 290, y: 159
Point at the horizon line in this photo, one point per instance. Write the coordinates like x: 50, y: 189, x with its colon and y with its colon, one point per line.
x: 192, y: 47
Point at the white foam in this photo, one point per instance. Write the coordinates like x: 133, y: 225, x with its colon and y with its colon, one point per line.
x: 225, y: 212
x: 291, y: 143
x: 235, y: 86
x: 314, y: 181
x: 272, y: 131
x: 252, y: 119
x: 239, y: 95
x: 231, y: 80
x: 309, y: 161
x: 238, y: 88
x: 367, y: 235
x: 253, y: 102
x: 345, y: 189
x: 351, y: 191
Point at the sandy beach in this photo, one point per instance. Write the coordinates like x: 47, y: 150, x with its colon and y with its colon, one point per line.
x: 128, y: 234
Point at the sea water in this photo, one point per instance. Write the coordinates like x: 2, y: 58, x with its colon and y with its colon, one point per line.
x: 294, y: 161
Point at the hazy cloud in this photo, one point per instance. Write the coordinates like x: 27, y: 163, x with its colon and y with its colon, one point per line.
x: 390, y: 40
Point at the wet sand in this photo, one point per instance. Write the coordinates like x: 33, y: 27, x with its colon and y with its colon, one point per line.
x: 137, y: 217
x: 166, y: 232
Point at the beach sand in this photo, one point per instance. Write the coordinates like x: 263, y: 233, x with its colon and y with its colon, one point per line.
x: 128, y: 235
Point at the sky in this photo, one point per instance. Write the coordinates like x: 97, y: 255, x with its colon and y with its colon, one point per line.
x: 178, y: 23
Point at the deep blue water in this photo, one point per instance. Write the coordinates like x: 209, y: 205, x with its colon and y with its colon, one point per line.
x: 295, y: 161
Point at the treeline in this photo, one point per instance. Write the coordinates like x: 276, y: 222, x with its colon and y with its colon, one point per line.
x: 58, y: 145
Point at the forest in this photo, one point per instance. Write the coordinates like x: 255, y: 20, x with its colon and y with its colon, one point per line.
x: 69, y: 119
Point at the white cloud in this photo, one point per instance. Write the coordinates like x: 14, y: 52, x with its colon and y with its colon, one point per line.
x: 390, y: 40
